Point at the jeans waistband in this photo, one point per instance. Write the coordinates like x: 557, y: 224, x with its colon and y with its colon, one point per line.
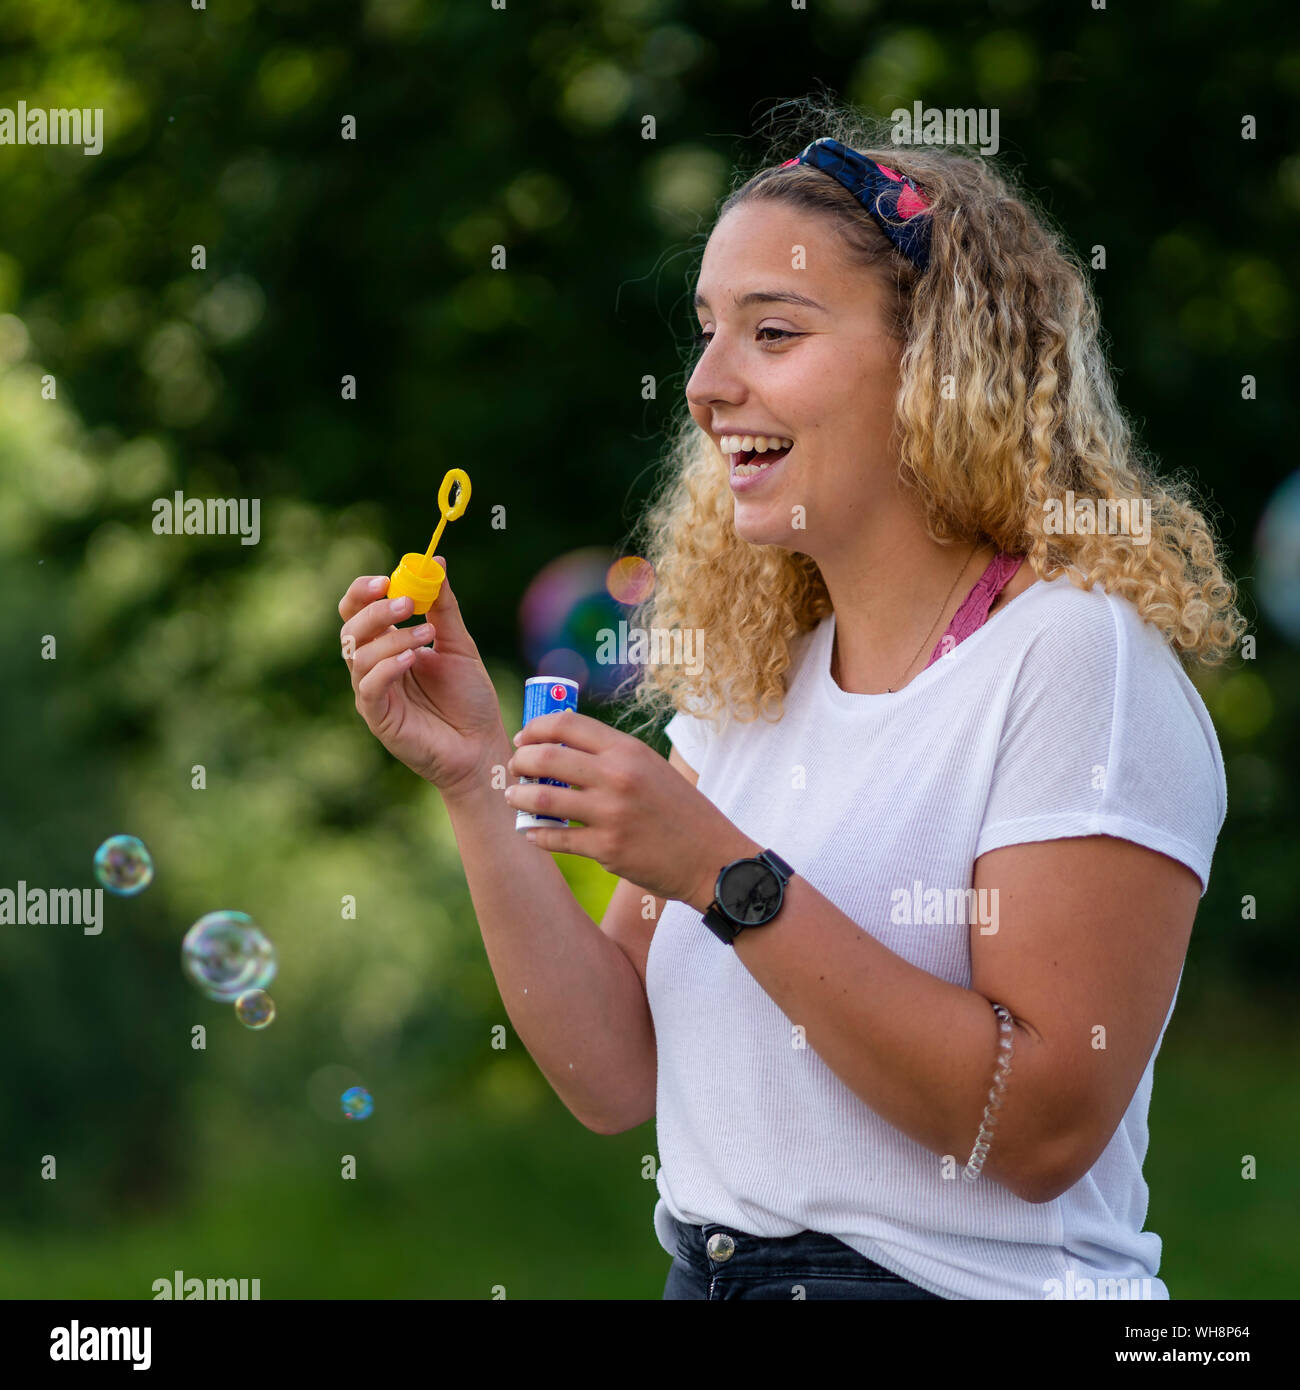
x: 713, y: 1248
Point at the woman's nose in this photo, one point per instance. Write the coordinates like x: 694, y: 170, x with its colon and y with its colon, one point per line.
x: 714, y: 378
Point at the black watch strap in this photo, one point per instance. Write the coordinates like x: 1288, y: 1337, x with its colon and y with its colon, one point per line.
x: 717, y: 921
x: 774, y: 861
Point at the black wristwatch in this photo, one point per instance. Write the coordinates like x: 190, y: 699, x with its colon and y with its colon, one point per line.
x: 749, y: 893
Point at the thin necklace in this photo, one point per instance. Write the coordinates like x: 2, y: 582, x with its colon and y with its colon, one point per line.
x: 933, y: 625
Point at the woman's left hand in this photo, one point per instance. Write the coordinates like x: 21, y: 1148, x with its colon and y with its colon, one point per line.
x: 641, y: 819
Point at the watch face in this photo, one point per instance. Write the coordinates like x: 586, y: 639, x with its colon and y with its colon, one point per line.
x: 751, y: 892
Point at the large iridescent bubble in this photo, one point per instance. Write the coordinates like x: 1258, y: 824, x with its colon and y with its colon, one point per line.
x: 123, y: 865
x: 226, y: 953
x: 1278, y: 544
x: 570, y: 618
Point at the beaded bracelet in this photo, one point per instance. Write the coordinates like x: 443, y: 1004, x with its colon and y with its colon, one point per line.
x: 1003, y: 1069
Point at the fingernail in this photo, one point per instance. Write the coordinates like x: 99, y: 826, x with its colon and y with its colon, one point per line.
x: 423, y: 631
x: 530, y: 836
x: 517, y: 737
x: 398, y: 605
x: 378, y: 584
x: 405, y: 657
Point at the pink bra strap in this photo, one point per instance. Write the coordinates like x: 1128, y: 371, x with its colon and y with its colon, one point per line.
x: 974, y: 611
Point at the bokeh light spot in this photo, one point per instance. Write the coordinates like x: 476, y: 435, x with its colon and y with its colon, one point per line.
x: 568, y: 616
x: 630, y: 580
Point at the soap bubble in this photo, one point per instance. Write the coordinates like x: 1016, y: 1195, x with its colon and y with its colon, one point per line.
x: 255, y: 1008
x: 1278, y: 544
x: 123, y: 865
x: 569, y: 621
x: 226, y: 953
x: 357, y: 1103
x: 630, y: 580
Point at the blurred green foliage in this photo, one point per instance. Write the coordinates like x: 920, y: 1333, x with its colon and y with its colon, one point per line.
x: 328, y: 257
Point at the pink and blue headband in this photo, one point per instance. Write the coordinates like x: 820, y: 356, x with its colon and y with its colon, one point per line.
x: 892, y: 199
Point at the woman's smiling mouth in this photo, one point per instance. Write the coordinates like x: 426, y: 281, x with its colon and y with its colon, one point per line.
x: 752, y: 457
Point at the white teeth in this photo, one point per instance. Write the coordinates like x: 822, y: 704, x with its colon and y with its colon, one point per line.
x: 744, y: 470
x: 753, y: 443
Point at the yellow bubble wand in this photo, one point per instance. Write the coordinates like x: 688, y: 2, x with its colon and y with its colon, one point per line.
x: 420, y: 576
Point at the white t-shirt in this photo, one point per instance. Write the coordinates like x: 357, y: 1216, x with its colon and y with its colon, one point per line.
x: 1064, y: 715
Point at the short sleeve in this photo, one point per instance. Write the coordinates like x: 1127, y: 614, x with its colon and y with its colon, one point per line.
x: 691, y: 736
x: 1104, y: 734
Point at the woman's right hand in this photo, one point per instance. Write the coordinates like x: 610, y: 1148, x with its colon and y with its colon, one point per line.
x: 432, y: 707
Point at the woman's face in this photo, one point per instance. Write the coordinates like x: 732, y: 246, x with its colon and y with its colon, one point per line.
x: 823, y: 374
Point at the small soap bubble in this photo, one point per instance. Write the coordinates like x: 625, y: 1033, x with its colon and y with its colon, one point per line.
x: 226, y: 954
x: 357, y: 1103
x: 255, y: 1008
x: 1278, y: 543
x: 123, y: 865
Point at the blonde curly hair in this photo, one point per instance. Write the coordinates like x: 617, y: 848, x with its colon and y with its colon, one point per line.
x: 1004, y: 312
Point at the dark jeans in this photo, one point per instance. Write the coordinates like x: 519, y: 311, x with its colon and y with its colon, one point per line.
x: 777, y: 1267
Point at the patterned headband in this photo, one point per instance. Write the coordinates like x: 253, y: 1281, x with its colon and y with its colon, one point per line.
x: 892, y: 199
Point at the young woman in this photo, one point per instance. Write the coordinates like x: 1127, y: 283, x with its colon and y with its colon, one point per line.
x: 900, y: 922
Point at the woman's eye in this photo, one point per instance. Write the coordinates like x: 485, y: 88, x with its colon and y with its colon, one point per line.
x: 702, y: 340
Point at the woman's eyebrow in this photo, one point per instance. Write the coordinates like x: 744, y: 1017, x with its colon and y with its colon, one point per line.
x: 766, y: 297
